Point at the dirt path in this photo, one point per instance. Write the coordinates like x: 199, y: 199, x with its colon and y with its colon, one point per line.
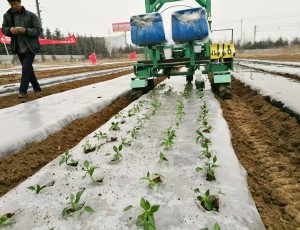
x: 267, y: 143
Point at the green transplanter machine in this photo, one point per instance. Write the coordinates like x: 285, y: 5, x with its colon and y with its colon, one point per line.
x: 192, y: 49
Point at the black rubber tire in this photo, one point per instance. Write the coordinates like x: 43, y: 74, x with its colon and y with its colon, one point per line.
x: 189, y: 78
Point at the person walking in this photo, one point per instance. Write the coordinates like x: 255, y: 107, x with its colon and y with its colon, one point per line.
x: 24, y: 28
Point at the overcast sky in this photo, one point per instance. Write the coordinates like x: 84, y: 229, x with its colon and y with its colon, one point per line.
x: 273, y: 18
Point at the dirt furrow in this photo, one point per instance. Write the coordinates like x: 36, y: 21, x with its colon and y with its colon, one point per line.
x: 267, y: 143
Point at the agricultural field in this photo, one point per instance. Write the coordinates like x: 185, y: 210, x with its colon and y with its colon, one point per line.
x: 192, y: 159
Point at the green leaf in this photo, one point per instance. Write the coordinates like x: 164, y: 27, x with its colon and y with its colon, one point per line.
x: 143, y: 203
x: 152, y: 222
x: 86, y: 164
x: 62, y: 160
x: 196, y: 190
x: 148, y: 206
x: 207, y: 193
x: 200, y: 198
x: 115, y: 148
x: 31, y: 188
x: 198, y: 169
x: 64, y: 212
x: 154, y: 208
x: 217, y: 227
x: 208, y: 204
x: 128, y: 208
x: 214, y: 159
x: 120, y: 147
x: 204, y: 229
x: 88, y: 209
x: 78, y: 195
x: 72, y: 197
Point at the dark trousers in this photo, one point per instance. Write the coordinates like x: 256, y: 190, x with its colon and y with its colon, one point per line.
x: 28, y: 74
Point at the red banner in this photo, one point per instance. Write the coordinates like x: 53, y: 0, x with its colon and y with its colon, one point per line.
x: 69, y: 40
x: 121, y: 27
x: 42, y: 41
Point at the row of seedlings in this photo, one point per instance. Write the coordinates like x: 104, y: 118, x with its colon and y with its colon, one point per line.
x: 207, y: 201
x: 146, y: 218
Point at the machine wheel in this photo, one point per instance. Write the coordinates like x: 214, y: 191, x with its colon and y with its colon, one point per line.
x: 151, y: 83
x: 189, y: 79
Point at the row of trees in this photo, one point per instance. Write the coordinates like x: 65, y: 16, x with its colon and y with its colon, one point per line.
x: 87, y: 45
x: 267, y: 44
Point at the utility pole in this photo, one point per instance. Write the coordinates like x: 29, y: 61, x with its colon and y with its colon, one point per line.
x: 255, y: 33
x: 38, y: 9
x: 241, y: 31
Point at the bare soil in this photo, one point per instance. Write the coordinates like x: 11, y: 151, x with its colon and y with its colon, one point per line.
x: 267, y: 143
x: 290, y: 53
x: 265, y: 139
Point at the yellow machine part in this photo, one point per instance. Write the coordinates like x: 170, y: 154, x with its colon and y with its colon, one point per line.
x: 222, y: 50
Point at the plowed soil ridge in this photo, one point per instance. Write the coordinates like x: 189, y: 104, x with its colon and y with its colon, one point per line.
x: 267, y: 143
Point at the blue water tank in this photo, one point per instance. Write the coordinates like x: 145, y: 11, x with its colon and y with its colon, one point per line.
x: 189, y: 25
x: 147, y: 29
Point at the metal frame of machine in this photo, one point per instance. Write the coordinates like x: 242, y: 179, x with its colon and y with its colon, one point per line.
x: 217, y: 59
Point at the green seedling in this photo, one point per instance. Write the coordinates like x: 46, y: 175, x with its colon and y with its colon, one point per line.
x: 169, y: 91
x: 121, y: 117
x: 125, y: 141
x: 117, y: 150
x: 146, y: 218
x: 168, y: 141
x: 208, y: 202
x: 180, y: 113
x: 200, y: 94
x: 205, y: 151
x: 135, y: 109
x: 187, y: 91
x: 115, y: 126
x: 216, y: 227
x: 6, y: 219
x: 154, y: 180
x: 66, y: 158
x: 204, y: 110
x: 155, y: 106
x: 100, y: 135
x: 210, y: 169
x: 87, y: 147
x: 39, y: 188
x: 152, y: 93
x: 135, y: 131
x: 200, y: 136
x: 205, y: 127
x: 161, y: 86
x: 73, y: 205
x: 142, y: 120
x: 89, y: 170
x: 162, y: 158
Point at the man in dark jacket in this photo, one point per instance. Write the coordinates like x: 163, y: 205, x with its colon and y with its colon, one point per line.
x: 24, y: 28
